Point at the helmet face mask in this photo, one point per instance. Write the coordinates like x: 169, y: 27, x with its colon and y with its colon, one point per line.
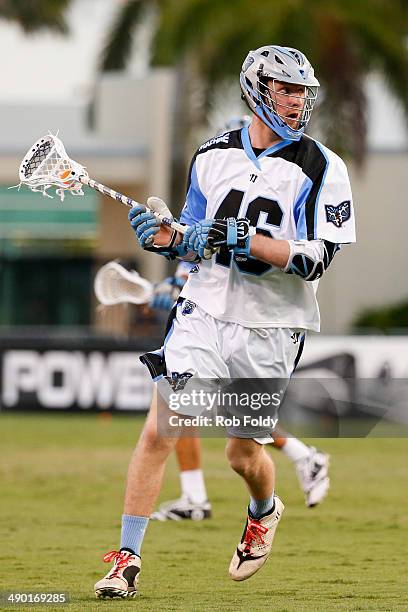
x: 265, y: 73
x: 282, y: 103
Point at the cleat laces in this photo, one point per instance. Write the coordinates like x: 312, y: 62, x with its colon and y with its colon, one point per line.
x: 121, y: 561
x: 254, y: 533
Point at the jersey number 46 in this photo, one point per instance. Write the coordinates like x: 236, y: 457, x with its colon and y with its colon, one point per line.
x: 265, y: 214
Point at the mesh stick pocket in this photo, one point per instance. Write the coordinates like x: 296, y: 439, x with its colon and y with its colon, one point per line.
x: 46, y: 164
x: 115, y: 285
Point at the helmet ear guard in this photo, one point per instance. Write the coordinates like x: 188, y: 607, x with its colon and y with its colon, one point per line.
x: 264, y: 91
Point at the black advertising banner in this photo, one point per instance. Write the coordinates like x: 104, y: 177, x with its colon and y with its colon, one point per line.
x: 57, y: 373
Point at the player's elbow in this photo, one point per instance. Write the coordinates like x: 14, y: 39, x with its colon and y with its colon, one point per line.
x: 310, y: 259
x: 308, y: 270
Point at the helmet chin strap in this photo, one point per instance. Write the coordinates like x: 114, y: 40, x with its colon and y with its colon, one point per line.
x: 275, y: 123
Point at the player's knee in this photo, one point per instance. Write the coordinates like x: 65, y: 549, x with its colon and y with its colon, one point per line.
x: 241, y: 455
x: 156, y: 443
x: 240, y: 465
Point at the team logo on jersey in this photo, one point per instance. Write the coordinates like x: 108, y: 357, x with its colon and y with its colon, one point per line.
x: 223, y: 138
x: 194, y: 270
x: 338, y: 214
x: 178, y: 381
x: 188, y: 307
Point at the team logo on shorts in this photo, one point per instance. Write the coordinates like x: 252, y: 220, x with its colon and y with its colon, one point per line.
x: 295, y: 337
x: 178, y: 381
x: 188, y: 307
x: 338, y: 214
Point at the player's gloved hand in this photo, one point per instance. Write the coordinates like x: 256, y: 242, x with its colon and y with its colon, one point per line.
x: 196, y: 238
x: 207, y: 236
x: 146, y: 226
x: 166, y: 293
x: 233, y: 233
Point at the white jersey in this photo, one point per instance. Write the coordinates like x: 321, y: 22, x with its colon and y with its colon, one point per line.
x: 293, y: 190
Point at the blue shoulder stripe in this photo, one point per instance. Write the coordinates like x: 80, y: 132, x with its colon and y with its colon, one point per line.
x: 196, y: 203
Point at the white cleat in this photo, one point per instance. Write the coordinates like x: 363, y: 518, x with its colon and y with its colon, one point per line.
x: 312, y: 473
x: 122, y: 579
x: 182, y: 509
x: 256, y: 544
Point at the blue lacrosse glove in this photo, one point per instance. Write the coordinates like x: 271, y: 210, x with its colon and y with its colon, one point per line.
x: 235, y: 234
x: 207, y: 236
x: 245, y: 232
x: 166, y: 293
x: 196, y: 238
x: 146, y: 225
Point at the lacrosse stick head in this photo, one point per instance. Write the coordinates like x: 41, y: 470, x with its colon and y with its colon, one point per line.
x: 114, y: 284
x: 46, y: 164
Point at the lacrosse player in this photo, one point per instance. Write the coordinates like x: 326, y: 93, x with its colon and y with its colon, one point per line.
x: 267, y: 208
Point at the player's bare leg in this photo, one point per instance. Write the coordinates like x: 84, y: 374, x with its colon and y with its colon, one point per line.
x: 193, y: 503
x: 145, y: 475
x: 311, y: 466
x: 146, y: 468
x: 188, y: 451
x: 250, y: 460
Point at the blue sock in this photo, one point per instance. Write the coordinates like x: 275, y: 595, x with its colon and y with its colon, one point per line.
x: 133, y: 530
x: 258, y: 507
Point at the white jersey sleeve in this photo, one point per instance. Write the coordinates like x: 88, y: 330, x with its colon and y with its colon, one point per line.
x: 200, y: 179
x: 334, y: 214
x: 323, y: 208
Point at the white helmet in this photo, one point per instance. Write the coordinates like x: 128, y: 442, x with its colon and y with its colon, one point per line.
x: 277, y: 64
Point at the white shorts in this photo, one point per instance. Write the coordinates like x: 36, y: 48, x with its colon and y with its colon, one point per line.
x: 209, y: 348
x: 198, y: 346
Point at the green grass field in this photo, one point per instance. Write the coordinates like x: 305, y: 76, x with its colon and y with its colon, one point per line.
x: 62, y: 482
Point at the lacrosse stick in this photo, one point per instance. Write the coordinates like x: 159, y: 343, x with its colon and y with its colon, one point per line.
x: 46, y: 164
x: 114, y: 284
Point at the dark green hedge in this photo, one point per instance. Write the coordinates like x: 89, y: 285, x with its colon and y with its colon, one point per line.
x: 385, y: 318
